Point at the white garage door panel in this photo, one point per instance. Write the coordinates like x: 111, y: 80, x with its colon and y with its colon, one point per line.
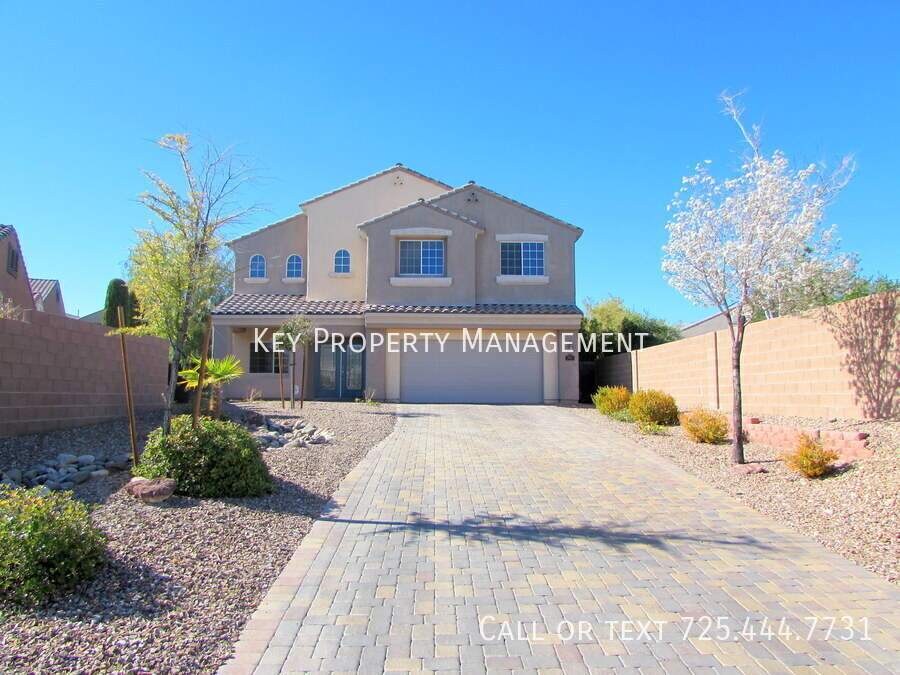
x: 454, y: 376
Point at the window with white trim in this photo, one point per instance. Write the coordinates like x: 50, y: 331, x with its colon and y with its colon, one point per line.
x: 421, y: 258
x: 342, y: 262
x: 522, y: 258
x: 294, y: 267
x: 257, y: 267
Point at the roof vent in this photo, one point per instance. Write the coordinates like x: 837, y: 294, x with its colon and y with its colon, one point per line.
x: 472, y: 197
x: 398, y: 180
x: 471, y: 182
x: 399, y: 164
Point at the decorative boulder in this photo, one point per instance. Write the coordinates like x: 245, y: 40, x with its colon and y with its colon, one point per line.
x: 151, y: 490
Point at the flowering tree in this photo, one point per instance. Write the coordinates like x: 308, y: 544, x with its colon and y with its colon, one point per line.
x: 755, y: 241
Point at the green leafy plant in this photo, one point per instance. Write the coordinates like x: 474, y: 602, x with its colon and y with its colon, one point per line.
x: 809, y: 457
x: 368, y: 397
x: 48, y: 543
x: 8, y: 310
x: 218, y: 372
x: 653, y: 406
x: 651, y: 428
x: 609, y: 400
x: 705, y: 426
x: 217, y: 459
x: 623, y: 415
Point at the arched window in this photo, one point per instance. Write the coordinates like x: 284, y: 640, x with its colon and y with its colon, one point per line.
x: 342, y: 262
x: 257, y: 267
x: 294, y: 267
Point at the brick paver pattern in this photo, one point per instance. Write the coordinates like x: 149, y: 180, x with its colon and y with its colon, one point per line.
x: 527, y: 538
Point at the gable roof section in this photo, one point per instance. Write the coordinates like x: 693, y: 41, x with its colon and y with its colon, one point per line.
x: 425, y: 204
x: 5, y: 231
x: 241, y: 304
x: 396, y: 167
x: 263, y: 229
x: 42, y: 288
x: 481, y: 188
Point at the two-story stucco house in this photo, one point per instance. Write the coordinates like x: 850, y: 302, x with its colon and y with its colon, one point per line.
x: 399, y: 253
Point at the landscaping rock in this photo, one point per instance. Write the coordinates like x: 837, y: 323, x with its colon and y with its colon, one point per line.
x: 99, y: 473
x: 79, y: 477
x: 118, y: 466
x: 748, y: 469
x: 151, y: 491
x: 84, y: 460
x: 65, y: 459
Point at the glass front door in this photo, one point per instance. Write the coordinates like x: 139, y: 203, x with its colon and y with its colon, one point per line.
x: 340, y: 372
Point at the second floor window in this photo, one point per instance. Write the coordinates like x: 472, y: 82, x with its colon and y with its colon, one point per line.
x: 342, y: 262
x: 422, y: 258
x: 257, y: 267
x: 294, y: 268
x: 522, y: 258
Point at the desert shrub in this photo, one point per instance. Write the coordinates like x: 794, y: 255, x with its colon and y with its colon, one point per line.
x: 705, y: 426
x: 653, y: 406
x: 48, y: 543
x: 217, y: 459
x: 809, y: 457
x: 609, y: 400
x: 623, y: 415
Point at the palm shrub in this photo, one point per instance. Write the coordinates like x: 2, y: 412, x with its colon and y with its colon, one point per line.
x: 610, y: 400
x: 809, y: 457
x: 217, y: 373
x: 217, y: 459
x: 48, y: 543
x: 702, y: 425
x: 653, y: 406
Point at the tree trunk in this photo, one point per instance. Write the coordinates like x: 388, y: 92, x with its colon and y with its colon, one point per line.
x: 170, y: 396
x: 737, y: 414
x: 303, y: 381
x: 293, y: 360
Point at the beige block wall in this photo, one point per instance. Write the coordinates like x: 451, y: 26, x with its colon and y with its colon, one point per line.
x: 57, y: 373
x: 841, y: 364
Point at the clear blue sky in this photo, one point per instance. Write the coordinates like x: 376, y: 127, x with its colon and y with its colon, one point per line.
x: 591, y: 112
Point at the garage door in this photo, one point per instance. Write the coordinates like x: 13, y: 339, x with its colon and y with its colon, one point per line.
x: 454, y: 376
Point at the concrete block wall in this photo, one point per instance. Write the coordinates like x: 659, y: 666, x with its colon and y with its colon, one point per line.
x: 810, y: 366
x: 57, y: 373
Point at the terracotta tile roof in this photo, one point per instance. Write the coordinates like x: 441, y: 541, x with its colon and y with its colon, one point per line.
x: 260, y: 304
x: 5, y: 231
x: 42, y: 288
x: 473, y: 309
x: 265, y: 304
x: 396, y: 167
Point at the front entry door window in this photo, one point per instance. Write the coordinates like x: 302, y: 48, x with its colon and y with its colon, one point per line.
x: 339, y: 372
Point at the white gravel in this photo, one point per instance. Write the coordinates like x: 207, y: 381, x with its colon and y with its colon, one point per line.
x: 854, y: 512
x: 183, y: 576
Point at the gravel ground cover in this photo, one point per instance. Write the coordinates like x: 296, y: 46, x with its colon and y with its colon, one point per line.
x: 183, y: 576
x: 854, y: 512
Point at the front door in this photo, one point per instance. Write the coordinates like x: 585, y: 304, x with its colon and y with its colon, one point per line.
x: 339, y: 372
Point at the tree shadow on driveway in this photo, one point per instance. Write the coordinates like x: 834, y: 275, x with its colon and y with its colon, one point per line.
x: 514, y: 528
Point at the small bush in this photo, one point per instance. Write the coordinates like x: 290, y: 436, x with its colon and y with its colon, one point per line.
x: 47, y: 543
x: 652, y: 406
x: 623, y: 415
x: 217, y: 459
x: 610, y: 400
x: 705, y: 426
x: 809, y: 457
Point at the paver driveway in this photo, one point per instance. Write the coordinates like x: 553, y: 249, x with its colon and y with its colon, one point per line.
x: 527, y: 538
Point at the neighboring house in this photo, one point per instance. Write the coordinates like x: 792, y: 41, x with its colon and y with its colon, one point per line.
x: 13, y: 275
x: 399, y: 252
x: 710, y: 324
x: 93, y: 317
x: 48, y: 296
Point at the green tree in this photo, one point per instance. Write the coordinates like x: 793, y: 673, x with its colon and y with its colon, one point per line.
x: 179, y: 268
x: 116, y: 296
x: 611, y: 317
x: 300, y: 332
x: 218, y: 372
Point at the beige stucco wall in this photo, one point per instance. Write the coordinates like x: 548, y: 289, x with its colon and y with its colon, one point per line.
x: 276, y: 243
x: 15, y: 288
x: 54, y: 304
x: 333, y: 224
x: 501, y: 217
x: 459, y: 252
